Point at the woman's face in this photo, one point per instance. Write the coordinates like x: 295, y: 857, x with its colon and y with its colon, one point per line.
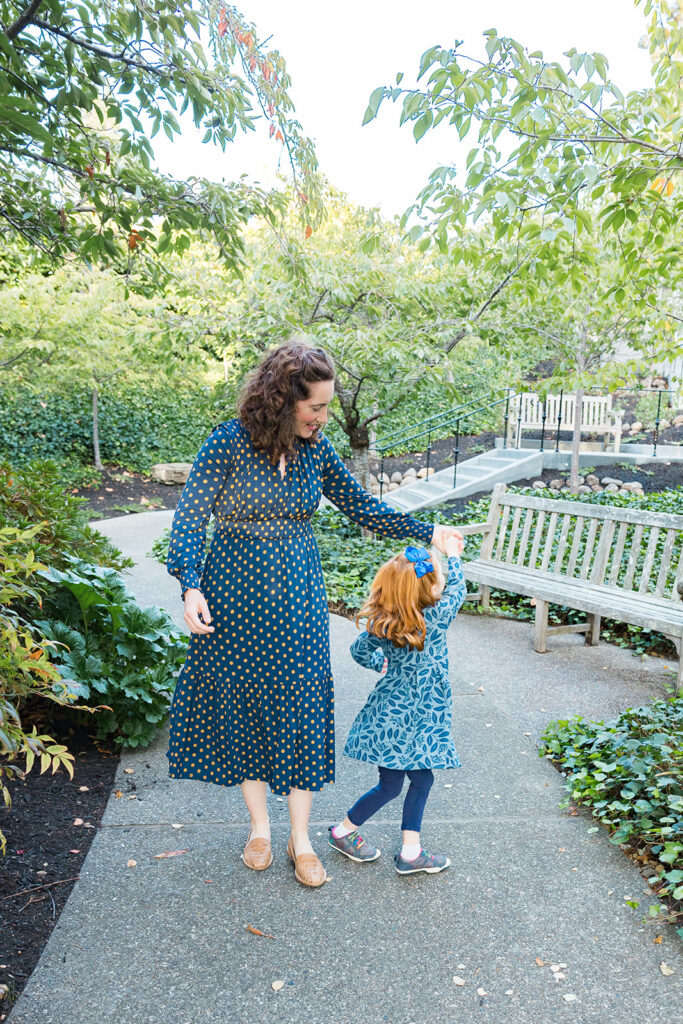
x: 311, y: 413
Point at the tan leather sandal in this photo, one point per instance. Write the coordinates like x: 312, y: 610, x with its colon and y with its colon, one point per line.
x: 308, y: 869
x: 258, y: 853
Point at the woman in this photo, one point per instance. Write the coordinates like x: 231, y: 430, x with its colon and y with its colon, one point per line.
x: 254, y: 701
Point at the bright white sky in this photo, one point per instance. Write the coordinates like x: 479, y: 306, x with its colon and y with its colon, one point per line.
x: 337, y: 54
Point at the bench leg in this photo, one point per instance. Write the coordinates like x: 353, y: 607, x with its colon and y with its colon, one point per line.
x: 541, y: 627
x: 485, y: 597
x: 593, y: 632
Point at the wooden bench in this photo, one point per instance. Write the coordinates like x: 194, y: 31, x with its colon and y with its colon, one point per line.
x: 597, y: 415
x: 617, y: 563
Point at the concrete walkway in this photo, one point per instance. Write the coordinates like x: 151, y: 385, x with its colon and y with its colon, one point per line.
x: 166, y: 941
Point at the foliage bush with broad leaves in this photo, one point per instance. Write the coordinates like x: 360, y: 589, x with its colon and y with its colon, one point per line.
x: 116, y: 654
x: 629, y: 771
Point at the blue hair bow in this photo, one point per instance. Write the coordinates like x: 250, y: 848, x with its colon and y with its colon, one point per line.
x: 421, y: 559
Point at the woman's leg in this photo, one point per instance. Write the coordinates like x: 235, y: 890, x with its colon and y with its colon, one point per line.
x: 388, y: 788
x: 300, y: 801
x: 254, y: 794
x: 421, y: 781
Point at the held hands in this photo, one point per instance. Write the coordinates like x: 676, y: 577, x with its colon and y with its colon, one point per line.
x: 195, y: 605
x: 448, y: 540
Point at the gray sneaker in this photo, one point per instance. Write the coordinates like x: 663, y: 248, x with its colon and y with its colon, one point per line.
x: 429, y: 862
x: 353, y: 846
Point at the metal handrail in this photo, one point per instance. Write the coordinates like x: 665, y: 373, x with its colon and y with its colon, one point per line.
x: 402, y: 430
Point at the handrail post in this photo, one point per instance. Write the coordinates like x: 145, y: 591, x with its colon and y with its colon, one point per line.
x: 429, y: 452
x: 456, y: 452
x: 381, y: 476
x: 656, y: 433
x: 507, y: 417
x: 518, y: 440
x: 559, y: 421
x: 543, y: 416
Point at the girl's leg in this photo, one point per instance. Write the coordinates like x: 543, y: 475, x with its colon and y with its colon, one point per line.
x: 254, y: 794
x: 421, y: 781
x: 300, y: 801
x: 388, y: 788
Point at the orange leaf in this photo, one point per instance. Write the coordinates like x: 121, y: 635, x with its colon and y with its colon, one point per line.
x: 279, y: 137
x: 669, y: 187
x: 169, y: 853
x: 272, y: 130
x: 255, y: 931
x: 308, y: 232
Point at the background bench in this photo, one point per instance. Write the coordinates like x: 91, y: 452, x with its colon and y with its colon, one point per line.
x: 618, y: 563
x: 597, y: 415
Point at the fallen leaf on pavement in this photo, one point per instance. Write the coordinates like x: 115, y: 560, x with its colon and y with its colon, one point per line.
x: 118, y: 794
x: 176, y: 826
x: 665, y: 969
x: 539, y: 961
x: 481, y: 992
x: 129, y: 771
x: 74, y: 851
x: 509, y: 991
x: 78, y: 821
x: 169, y: 853
x: 657, y: 939
x: 131, y: 863
x: 276, y: 985
x: 458, y: 981
x: 255, y: 931
x: 569, y: 997
x: 83, y: 789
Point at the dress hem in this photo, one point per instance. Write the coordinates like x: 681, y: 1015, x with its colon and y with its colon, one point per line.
x: 403, y: 767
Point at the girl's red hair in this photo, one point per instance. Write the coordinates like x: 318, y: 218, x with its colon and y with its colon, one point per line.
x: 394, y: 608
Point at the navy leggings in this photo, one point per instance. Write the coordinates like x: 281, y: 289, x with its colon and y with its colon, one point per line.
x: 388, y: 788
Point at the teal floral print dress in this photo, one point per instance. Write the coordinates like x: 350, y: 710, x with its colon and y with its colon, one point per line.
x: 406, y: 721
x: 254, y: 699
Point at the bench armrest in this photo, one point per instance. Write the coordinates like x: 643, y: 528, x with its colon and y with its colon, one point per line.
x: 471, y: 528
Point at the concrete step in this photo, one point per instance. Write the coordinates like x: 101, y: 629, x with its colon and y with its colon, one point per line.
x: 477, y: 474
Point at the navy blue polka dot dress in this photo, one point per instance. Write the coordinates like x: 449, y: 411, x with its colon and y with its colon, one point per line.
x: 254, y: 699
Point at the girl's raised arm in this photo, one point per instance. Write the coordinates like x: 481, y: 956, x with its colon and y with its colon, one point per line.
x: 447, y: 607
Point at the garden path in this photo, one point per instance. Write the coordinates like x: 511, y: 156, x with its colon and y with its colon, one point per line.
x: 166, y: 940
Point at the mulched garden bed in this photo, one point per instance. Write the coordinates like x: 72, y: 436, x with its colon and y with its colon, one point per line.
x: 45, y: 849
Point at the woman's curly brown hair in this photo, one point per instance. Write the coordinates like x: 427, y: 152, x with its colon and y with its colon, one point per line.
x: 271, y: 390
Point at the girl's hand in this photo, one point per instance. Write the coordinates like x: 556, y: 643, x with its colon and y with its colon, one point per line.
x: 448, y: 535
x: 195, y: 605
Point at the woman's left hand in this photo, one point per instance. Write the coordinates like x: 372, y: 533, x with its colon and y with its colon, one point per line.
x: 442, y: 534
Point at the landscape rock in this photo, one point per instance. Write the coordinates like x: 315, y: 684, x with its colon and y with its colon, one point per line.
x: 538, y: 483
x: 556, y: 483
x: 606, y: 480
x: 592, y: 479
x: 635, y: 427
x: 584, y: 489
x: 664, y: 424
x: 611, y: 488
x: 384, y: 478
x: 171, y: 472
x: 373, y: 480
x: 422, y: 473
x: 393, y: 486
x: 678, y: 421
x: 624, y: 490
x: 596, y: 488
x: 565, y: 490
x: 396, y: 477
x: 625, y: 427
x: 411, y: 471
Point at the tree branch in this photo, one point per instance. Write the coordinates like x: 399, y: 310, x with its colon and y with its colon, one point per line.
x: 23, y: 20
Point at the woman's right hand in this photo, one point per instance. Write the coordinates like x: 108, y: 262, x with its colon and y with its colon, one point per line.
x: 195, y: 605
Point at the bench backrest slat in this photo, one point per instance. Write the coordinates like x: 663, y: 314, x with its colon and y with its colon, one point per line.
x: 675, y: 596
x: 573, y: 554
x: 618, y: 554
x: 649, y: 560
x: 550, y: 537
x: 633, y: 556
x: 502, y: 530
x: 526, y: 530
x: 601, y: 559
x: 665, y: 563
x: 512, y: 540
x: 538, y: 533
x: 562, y: 543
x: 588, y: 551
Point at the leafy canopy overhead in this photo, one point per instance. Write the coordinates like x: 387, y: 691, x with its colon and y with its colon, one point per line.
x: 85, y: 86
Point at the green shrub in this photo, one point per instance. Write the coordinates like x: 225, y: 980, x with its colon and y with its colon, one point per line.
x: 629, y: 771
x: 116, y: 655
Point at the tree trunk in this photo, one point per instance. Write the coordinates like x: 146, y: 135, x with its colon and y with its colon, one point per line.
x: 96, y: 431
x: 576, y: 438
x: 361, y: 466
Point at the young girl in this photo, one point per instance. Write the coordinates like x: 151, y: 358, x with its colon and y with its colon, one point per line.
x: 405, y: 725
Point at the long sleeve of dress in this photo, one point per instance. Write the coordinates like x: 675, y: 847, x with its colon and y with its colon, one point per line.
x: 188, y: 528
x: 447, y: 607
x: 346, y: 493
x: 367, y: 650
